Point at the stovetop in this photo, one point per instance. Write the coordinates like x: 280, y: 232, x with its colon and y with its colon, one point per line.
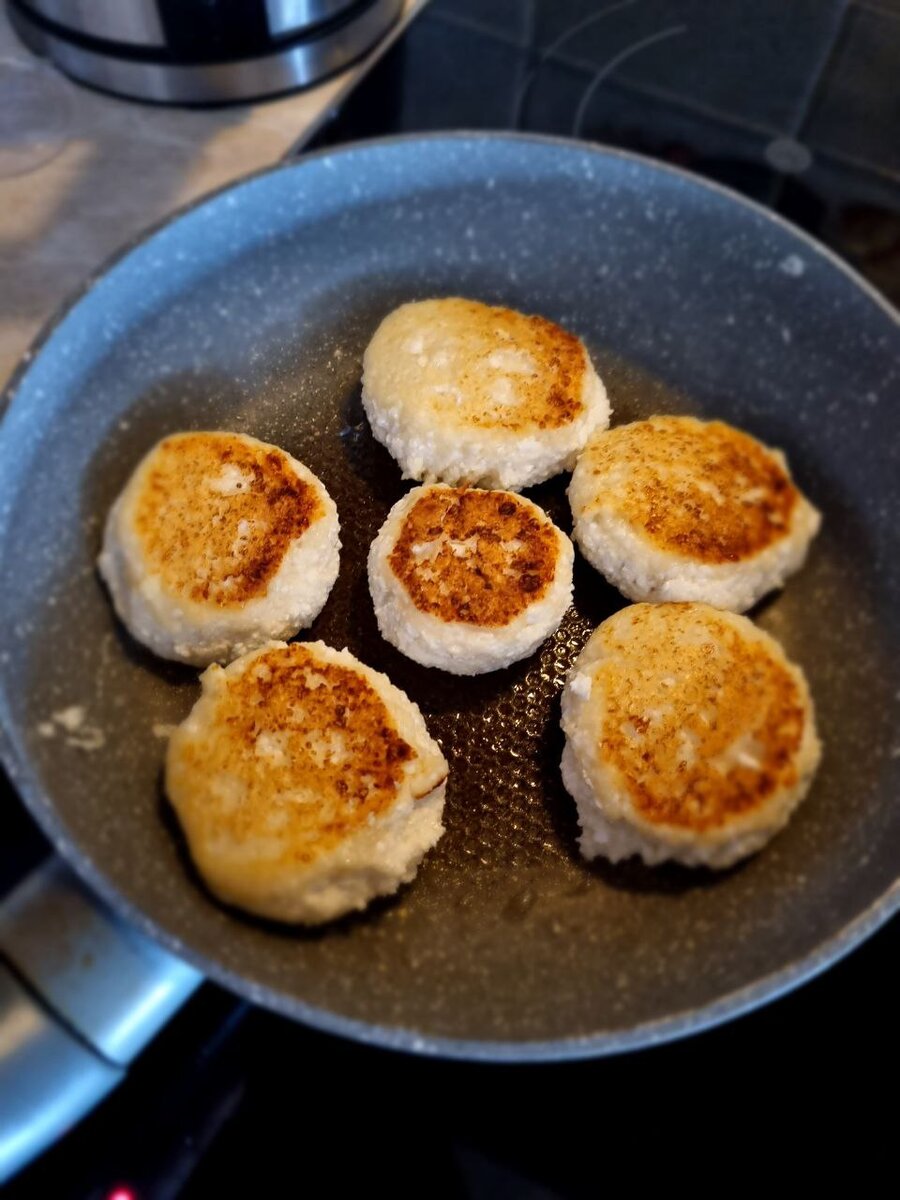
x: 796, y: 105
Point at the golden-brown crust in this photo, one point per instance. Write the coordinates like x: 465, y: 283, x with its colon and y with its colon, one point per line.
x: 702, y: 723
x: 470, y: 349
x: 550, y: 397
x: 474, y: 556
x: 307, y: 748
x: 216, y: 513
x: 702, y: 490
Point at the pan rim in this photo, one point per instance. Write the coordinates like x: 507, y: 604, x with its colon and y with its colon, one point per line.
x: 727, y: 1007
x: 65, y: 306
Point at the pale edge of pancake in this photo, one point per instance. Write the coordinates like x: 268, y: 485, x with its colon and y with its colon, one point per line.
x: 374, y: 861
x: 457, y: 646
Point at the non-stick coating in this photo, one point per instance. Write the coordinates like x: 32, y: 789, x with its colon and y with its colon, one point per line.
x: 251, y: 312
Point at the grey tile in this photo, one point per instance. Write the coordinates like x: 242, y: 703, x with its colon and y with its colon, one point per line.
x: 438, y: 94
x: 511, y: 19
x: 756, y: 59
x: 857, y: 112
x: 887, y: 6
x: 616, y: 115
x: 547, y: 100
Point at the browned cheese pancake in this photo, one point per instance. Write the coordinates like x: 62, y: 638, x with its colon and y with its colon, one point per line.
x: 469, y: 580
x: 305, y: 782
x: 673, y: 508
x: 218, y: 543
x: 689, y: 736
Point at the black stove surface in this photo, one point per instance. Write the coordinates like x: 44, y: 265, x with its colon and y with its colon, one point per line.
x: 795, y: 104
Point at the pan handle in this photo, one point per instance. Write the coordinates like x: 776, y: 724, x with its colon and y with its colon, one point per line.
x: 81, y: 993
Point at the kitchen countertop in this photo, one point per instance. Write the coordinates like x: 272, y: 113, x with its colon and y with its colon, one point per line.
x: 86, y: 172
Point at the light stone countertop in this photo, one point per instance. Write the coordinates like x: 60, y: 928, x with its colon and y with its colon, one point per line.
x: 112, y: 167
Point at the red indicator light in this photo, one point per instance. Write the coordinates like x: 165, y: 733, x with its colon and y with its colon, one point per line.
x: 122, y: 1193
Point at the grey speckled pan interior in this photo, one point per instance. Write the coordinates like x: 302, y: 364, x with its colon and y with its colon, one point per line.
x: 251, y: 312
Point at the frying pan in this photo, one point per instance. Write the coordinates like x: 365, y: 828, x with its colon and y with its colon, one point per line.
x: 250, y: 311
